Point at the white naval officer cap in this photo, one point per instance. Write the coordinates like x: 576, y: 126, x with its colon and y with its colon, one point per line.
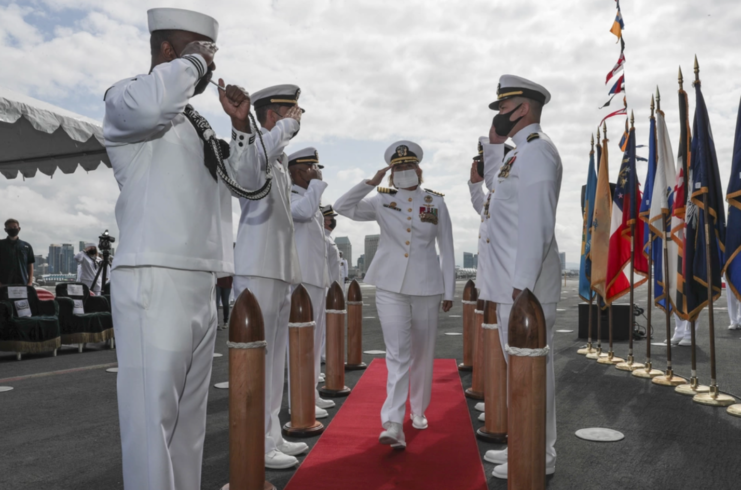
x: 89, y: 244
x: 328, y: 210
x: 308, y: 156
x: 403, y: 152
x: 285, y: 94
x: 161, y: 19
x: 513, y: 86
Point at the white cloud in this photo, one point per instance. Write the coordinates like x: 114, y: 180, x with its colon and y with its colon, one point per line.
x: 377, y: 71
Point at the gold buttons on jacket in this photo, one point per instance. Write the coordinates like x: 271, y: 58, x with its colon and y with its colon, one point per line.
x: 407, y: 242
x: 410, y: 210
x: 410, y: 199
x: 409, y: 230
x: 487, y: 240
x: 406, y: 255
x: 409, y: 218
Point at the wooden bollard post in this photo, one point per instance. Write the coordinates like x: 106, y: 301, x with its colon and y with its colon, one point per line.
x: 247, y: 396
x: 476, y: 391
x: 527, y: 394
x: 495, y: 380
x: 470, y: 296
x: 335, y: 379
x: 301, y: 327
x: 354, y: 328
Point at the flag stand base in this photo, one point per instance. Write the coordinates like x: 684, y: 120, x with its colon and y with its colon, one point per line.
x: 719, y: 400
x: 596, y: 355
x: 646, y: 373
x: 670, y: 380
x: 610, y: 360
x: 628, y: 366
x: 688, y: 389
x: 735, y: 410
x: 587, y: 350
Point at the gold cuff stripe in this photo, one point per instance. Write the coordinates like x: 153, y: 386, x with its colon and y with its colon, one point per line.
x: 501, y: 96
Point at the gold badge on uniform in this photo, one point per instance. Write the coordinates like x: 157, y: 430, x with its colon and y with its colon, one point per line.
x: 392, y: 204
x: 428, y: 199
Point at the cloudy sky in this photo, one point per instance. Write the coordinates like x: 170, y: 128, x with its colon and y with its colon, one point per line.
x: 371, y: 73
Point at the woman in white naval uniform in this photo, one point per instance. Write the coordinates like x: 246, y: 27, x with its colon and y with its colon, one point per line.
x: 410, y: 280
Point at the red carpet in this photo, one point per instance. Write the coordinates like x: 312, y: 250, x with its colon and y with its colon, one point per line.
x: 348, y: 455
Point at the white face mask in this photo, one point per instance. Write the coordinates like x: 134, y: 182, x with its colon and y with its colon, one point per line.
x: 405, y: 179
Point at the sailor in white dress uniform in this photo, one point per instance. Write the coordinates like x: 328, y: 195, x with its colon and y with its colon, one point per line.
x: 174, y: 214
x: 410, y: 280
x: 88, y: 264
x: 266, y: 258
x: 306, y: 196
x: 525, y: 191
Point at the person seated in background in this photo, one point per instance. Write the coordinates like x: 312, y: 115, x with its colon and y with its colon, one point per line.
x: 16, y: 257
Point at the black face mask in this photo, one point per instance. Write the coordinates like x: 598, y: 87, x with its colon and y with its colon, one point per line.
x: 12, y: 232
x: 332, y: 224
x: 502, y: 125
x: 203, y: 82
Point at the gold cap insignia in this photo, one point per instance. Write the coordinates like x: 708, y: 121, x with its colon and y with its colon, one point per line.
x: 428, y: 199
x: 402, y: 150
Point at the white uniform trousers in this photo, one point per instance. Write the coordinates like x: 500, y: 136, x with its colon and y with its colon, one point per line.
x: 409, y: 325
x: 165, y: 325
x: 319, y: 306
x: 734, y: 309
x: 275, y: 304
x: 549, y: 311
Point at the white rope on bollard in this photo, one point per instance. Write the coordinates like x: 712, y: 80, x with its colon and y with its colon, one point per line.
x: 479, y: 312
x: 354, y: 302
x: 246, y: 345
x: 490, y: 326
x: 301, y: 325
x: 516, y: 351
x: 465, y: 302
x: 336, y: 312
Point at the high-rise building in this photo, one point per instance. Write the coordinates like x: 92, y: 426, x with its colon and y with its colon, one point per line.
x: 82, y: 246
x: 470, y: 261
x: 371, y: 245
x: 54, y: 258
x: 562, y: 256
x: 361, y: 263
x: 68, y: 264
x: 344, y: 246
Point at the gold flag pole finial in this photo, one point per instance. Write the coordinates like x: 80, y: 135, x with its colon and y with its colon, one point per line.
x: 658, y: 99
x: 652, y: 106
x: 681, y: 79
x: 604, y: 130
x: 592, y: 143
x: 697, y: 71
x: 632, y: 120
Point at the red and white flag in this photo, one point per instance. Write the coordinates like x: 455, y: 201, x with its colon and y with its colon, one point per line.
x: 618, y: 66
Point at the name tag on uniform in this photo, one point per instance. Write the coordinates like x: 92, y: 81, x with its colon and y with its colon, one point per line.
x: 17, y: 293
x: 392, y: 206
x: 22, y: 307
x: 79, y: 309
x: 75, y: 290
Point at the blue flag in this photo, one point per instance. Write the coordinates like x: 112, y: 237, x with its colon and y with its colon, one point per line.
x: 704, y: 186
x: 648, y: 187
x: 585, y: 269
x: 732, y: 268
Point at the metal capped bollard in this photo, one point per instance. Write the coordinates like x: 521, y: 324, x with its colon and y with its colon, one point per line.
x: 495, y: 380
x: 247, y: 396
x: 354, y: 328
x: 301, y: 327
x: 527, y: 394
x: 476, y: 391
x: 470, y: 296
x: 335, y: 379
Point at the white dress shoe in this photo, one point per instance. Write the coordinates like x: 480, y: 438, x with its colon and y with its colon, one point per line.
x: 293, y: 448
x: 734, y: 326
x: 322, y: 378
x: 276, y: 460
x: 393, y: 436
x: 501, y: 470
x: 482, y: 417
x: 322, y: 403
x: 418, y: 421
x: 496, y: 457
x: 320, y: 413
x: 480, y: 407
x: 686, y: 342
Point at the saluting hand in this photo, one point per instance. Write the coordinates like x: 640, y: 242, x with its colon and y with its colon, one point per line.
x: 494, y: 138
x: 204, y: 48
x: 294, y: 113
x: 378, y: 178
x: 236, y: 103
x: 475, y: 177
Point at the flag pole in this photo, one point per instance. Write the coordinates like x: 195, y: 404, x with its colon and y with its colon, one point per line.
x: 647, y: 371
x: 599, y: 354
x: 588, y: 349
x: 630, y: 365
x: 714, y: 397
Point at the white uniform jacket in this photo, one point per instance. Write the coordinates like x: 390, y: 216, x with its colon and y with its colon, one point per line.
x: 406, y: 261
x: 171, y: 212
x: 265, y: 239
x: 310, y: 241
x: 481, y: 201
x: 334, y: 269
x: 343, y: 266
x: 87, y: 268
x: 525, y: 190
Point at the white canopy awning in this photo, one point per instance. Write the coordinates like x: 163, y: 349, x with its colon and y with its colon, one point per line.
x: 35, y: 136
